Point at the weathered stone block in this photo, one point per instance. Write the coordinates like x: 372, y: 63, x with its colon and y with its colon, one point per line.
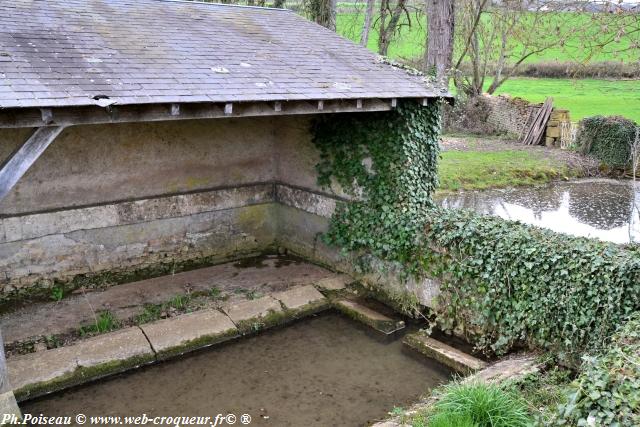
x: 302, y: 300
x: 39, y: 373
x: 553, y: 132
x: 254, y: 315
x: 176, y: 335
x: 364, y: 314
x: 445, y: 354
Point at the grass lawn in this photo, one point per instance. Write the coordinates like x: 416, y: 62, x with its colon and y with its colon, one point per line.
x: 583, y: 97
x: 411, y: 40
x: 477, y: 170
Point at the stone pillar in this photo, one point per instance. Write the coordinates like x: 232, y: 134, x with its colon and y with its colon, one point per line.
x: 8, y: 404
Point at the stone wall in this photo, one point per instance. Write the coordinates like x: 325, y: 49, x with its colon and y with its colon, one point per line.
x: 509, y: 114
x: 515, y: 115
x: 113, y: 199
x: 112, y: 203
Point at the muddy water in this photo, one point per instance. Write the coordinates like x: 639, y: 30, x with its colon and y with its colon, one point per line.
x: 324, y: 371
x: 600, y: 208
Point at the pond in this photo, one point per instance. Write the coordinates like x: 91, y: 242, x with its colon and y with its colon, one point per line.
x: 323, y: 371
x: 601, y: 208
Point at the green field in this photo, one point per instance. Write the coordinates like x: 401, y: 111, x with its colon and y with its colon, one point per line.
x: 410, y: 42
x: 584, y: 97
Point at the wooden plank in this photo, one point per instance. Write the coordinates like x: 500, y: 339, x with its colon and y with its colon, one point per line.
x: 4, y: 377
x: 17, y: 164
x: 535, y: 133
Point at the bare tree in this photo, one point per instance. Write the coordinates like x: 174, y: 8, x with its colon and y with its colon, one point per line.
x: 368, y: 19
x: 389, y: 22
x: 322, y: 12
x: 494, y: 40
x: 441, y: 24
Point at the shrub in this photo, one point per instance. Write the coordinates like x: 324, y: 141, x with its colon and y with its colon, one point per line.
x: 486, y: 405
x: 607, y: 139
x: 607, y: 391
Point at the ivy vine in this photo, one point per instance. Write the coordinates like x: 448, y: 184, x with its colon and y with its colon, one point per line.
x: 506, y: 283
x: 389, y: 161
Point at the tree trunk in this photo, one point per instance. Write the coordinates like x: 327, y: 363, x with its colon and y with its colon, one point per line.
x: 368, y: 19
x: 441, y: 22
x: 387, y: 30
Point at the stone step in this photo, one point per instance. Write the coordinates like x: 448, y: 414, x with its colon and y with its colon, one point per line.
x: 43, y: 372
x: 177, y: 335
x: 457, y: 360
x: 368, y: 316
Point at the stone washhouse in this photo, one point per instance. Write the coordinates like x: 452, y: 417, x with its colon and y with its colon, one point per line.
x: 136, y: 134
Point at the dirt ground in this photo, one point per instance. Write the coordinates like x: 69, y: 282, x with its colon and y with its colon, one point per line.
x: 571, y: 158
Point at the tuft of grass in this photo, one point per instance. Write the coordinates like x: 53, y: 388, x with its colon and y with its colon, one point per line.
x: 487, y: 405
x: 451, y: 420
x: 179, y: 302
x: 150, y: 313
x: 105, y: 322
x: 480, y: 170
x: 57, y: 293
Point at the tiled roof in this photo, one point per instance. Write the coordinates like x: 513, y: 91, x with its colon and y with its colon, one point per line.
x: 66, y: 52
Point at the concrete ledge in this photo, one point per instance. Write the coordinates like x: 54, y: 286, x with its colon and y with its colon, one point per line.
x: 331, y: 284
x: 361, y: 313
x: 255, y: 315
x: 178, y: 335
x: 302, y: 301
x: 40, y: 373
x: 455, y: 359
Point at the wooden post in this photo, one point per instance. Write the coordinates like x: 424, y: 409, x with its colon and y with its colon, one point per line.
x: 4, y: 377
x: 8, y: 405
x: 17, y: 164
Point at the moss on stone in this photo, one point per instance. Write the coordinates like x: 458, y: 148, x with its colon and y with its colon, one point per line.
x: 198, y: 343
x: 80, y: 375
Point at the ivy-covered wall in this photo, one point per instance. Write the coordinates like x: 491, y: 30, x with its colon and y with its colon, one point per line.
x: 505, y: 283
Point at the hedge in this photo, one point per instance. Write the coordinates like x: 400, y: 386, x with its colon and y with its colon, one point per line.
x: 607, y: 139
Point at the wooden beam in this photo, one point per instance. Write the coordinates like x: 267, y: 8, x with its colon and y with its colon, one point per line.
x: 17, y: 164
x: 91, y: 115
x: 47, y: 115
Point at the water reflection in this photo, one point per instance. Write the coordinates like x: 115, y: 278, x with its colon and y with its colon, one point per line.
x: 601, y: 208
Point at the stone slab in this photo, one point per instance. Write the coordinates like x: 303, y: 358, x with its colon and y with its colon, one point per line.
x: 336, y: 283
x: 124, y: 301
x: 8, y: 406
x: 368, y: 316
x: 512, y: 367
x: 180, y: 334
x: 123, y: 345
x: 253, y: 315
x: 40, y: 368
x: 452, y: 357
x: 43, y: 372
x: 301, y: 298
